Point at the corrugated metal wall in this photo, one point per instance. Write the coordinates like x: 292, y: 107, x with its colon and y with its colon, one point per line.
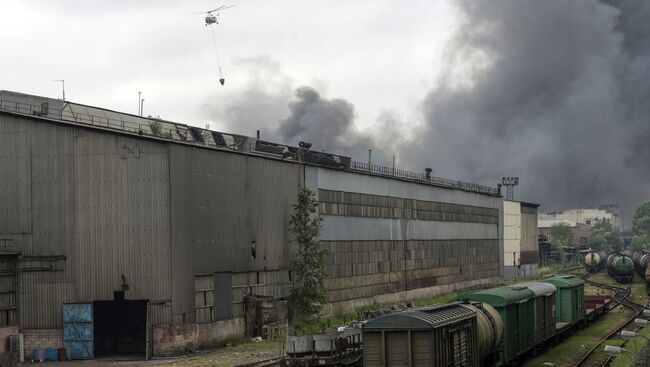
x: 223, y: 205
x: 15, y: 178
x: 99, y: 209
x: 85, y: 207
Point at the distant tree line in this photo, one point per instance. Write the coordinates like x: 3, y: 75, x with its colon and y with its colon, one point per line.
x: 641, y: 227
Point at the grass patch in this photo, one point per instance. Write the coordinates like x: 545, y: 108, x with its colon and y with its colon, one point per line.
x: 236, y: 341
x: 568, y: 351
x: 243, y: 353
x: 553, y: 269
x: 340, y: 318
x: 636, y: 345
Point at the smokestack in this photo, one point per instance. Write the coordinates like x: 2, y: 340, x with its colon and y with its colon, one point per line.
x: 258, y: 134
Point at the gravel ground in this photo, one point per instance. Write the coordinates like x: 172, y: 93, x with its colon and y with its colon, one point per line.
x: 223, y: 357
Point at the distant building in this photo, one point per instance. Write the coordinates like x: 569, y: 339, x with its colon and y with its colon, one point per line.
x: 520, y: 248
x: 587, y: 216
x: 580, y: 232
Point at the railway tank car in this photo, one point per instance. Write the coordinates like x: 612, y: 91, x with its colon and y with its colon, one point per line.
x: 594, y: 261
x: 620, y: 267
x: 641, y: 260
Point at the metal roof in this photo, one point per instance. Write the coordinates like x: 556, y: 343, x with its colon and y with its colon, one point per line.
x: 565, y: 281
x: 428, y: 318
x: 499, y: 297
x: 105, y: 119
x: 539, y: 288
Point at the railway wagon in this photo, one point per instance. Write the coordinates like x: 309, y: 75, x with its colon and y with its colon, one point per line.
x: 594, y: 261
x: 515, y: 305
x: 620, y: 267
x: 641, y: 260
x: 570, y: 300
x: 447, y: 335
x: 544, y: 309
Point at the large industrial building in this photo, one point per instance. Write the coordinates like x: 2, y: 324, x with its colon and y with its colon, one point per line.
x: 151, y: 233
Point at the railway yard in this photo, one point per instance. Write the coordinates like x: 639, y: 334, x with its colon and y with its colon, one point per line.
x: 581, y: 347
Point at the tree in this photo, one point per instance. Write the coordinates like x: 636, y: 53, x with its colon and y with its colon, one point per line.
x: 604, y: 236
x: 642, y: 211
x: 642, y: 226
x: 560, y: 236
x: 599, y: 242
x: 640, y: 241
x: 308, y: 296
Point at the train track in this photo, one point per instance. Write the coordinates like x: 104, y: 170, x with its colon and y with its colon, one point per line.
x: 619, y: 298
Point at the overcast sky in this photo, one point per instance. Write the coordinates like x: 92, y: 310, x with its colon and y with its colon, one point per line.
x: 379, y: 55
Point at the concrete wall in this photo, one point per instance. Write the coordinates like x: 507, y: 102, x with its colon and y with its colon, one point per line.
x: 520, y: 252
x: 42, y: 339
x: 4, y: 336
x: 169, y: 340
x: 511, y: 233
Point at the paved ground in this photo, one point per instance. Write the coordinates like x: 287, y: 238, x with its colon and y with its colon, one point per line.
x: 223, y: 357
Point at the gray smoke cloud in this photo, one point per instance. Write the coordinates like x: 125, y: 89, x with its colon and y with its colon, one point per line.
x: 554, y: 92
x: 285, y: 114
x: 329, y: 125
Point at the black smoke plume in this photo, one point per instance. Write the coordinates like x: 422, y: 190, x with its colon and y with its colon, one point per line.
x: 554, y: 92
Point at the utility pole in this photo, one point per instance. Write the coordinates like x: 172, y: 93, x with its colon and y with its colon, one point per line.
x: 62, y: 86
x: 141, y: 106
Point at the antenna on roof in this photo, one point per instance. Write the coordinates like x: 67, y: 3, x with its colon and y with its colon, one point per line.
x: 62, y: 86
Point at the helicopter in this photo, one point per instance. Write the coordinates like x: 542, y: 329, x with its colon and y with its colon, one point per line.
x: 213, y: 18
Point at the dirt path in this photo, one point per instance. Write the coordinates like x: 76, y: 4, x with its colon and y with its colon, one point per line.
x: 222, y: 357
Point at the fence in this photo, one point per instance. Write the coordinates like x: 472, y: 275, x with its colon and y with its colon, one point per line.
x: 422, y: 177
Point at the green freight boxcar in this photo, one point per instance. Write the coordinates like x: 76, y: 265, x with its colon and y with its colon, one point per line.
x: 545, y: 306
x: 570, y: 299
x: 515, y: 305
x: 440, y: 336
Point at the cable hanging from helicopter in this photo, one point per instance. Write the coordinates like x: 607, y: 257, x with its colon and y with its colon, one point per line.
x: 211, y: 19
x: 222, y: 80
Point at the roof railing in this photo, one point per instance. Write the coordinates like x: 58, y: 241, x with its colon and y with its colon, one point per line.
x: 422, y: 177
x: 153, y: 127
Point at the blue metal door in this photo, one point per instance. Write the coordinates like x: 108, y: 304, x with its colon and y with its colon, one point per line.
x: 78, y: 330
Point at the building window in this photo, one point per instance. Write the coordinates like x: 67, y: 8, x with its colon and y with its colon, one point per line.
x: 204, y: 298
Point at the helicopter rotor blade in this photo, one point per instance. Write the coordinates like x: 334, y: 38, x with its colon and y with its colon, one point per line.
x: 222, y: 7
